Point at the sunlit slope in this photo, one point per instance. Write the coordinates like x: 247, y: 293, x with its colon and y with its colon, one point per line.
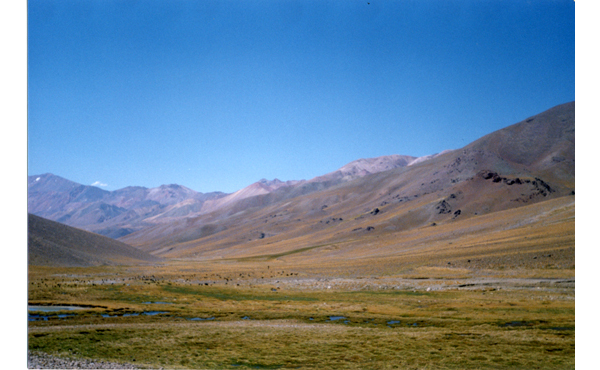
x: 485, y: 188
x: 53, y: 244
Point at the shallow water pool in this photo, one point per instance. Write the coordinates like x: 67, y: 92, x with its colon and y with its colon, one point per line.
x: 53, y: 308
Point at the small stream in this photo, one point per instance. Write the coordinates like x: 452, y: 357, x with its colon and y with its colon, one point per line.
x: 33, y: 312
x: 53, y: 308
x: 147, y: 313
x: 336, y: 318
x: 44, y: 313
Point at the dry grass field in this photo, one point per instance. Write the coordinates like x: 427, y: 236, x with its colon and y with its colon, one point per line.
x: 495, y: 292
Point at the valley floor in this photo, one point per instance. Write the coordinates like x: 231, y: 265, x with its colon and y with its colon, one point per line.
x: 247, y: 315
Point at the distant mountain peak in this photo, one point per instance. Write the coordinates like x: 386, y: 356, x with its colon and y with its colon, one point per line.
x: 377, y: 164
x: 365, y: 166
x: 172, y: 186
x: 274, y: 182
x: 111, y: 213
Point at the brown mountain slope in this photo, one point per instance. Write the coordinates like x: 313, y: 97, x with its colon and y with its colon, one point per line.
x: 266, y: 192
x: 121, y: 212
x: 543, y: 144
x: 53, y: 244
x: 524, y: 164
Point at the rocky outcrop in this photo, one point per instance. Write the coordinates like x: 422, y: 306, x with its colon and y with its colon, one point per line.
x: 537, y: 186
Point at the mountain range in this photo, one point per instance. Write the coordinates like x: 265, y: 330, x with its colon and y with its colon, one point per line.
x: 368, y: 206
x: 121, y: 212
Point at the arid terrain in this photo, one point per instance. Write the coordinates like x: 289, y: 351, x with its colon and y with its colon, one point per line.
x: 460, y: 260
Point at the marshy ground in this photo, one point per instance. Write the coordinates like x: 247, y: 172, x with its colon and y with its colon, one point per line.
x: 272, y: 315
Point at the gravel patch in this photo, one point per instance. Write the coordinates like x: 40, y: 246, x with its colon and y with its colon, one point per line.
x: 40, y: 360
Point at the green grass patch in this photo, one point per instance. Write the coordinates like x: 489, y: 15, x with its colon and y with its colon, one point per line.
x: 323, y: 347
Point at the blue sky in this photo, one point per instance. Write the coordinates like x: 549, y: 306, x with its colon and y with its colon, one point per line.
x: 215, y: 95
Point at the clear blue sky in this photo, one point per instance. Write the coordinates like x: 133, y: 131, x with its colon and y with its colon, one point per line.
x: 215, y: 95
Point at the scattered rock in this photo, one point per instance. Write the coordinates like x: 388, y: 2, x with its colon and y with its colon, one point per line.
x: 486, y: 175
x: 443, y: 207
x: 41, y: 360
x: 331, y: 219
x: 513, y: 181
x: 542, y: 187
